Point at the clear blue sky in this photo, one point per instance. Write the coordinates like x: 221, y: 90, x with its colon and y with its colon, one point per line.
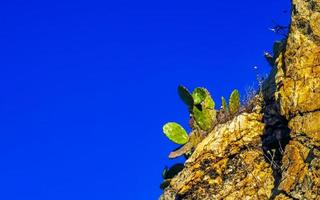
x: 85, y: 87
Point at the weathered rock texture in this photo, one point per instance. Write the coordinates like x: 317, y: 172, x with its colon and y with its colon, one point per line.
x: 298, y: 93
x: 271, y: 151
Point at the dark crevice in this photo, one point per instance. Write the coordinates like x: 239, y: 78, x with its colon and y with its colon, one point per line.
x: 310, y: 156
x: 299, y: 113
x: 311, y: 111
x: 274, y: 140
x: 276, y: 132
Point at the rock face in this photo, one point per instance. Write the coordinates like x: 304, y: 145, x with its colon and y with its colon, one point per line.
x: 271, y: 151
x: 228, y: 164
x: 298, y: 93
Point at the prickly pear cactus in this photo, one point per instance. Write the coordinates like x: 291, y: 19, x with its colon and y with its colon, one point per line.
x: 224, y: 105
x: 199, y: 95
x: 234, y: 102
x: 185, y: 96
x: 204, y: 113
x: 175, y: 133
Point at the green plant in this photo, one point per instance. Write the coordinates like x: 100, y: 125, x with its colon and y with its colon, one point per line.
x: 203, y: 112
x: 175, y: 133
x: 185, y: 96
x: 199, y: 95
x: 234, y: 102
x: 203, y: 116
x: 224, y: 105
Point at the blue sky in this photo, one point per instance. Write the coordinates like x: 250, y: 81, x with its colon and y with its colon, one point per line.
x: 85, y: 87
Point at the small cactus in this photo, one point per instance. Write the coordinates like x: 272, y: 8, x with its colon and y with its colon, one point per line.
x: 199, y: 95
x: 175, y: 133
x: 224, y: 105
x: 185, y: 96
x: 234, y: 102
x: 203, y: 118
x: 204, y: 114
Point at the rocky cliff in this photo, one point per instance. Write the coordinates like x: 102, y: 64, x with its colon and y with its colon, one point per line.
x: 272, y: 150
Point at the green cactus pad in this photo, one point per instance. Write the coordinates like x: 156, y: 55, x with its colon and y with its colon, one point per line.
x: 208, y: 102
x: 224, y: 104
x: 185, y: 96
x: 206, y: 116
x: 175, y: 133
x: 199, y: 95
x: 234, y: 102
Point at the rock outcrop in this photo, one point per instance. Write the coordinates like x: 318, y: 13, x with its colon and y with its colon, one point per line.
x: 271, y: 151
x: 298, y: 93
